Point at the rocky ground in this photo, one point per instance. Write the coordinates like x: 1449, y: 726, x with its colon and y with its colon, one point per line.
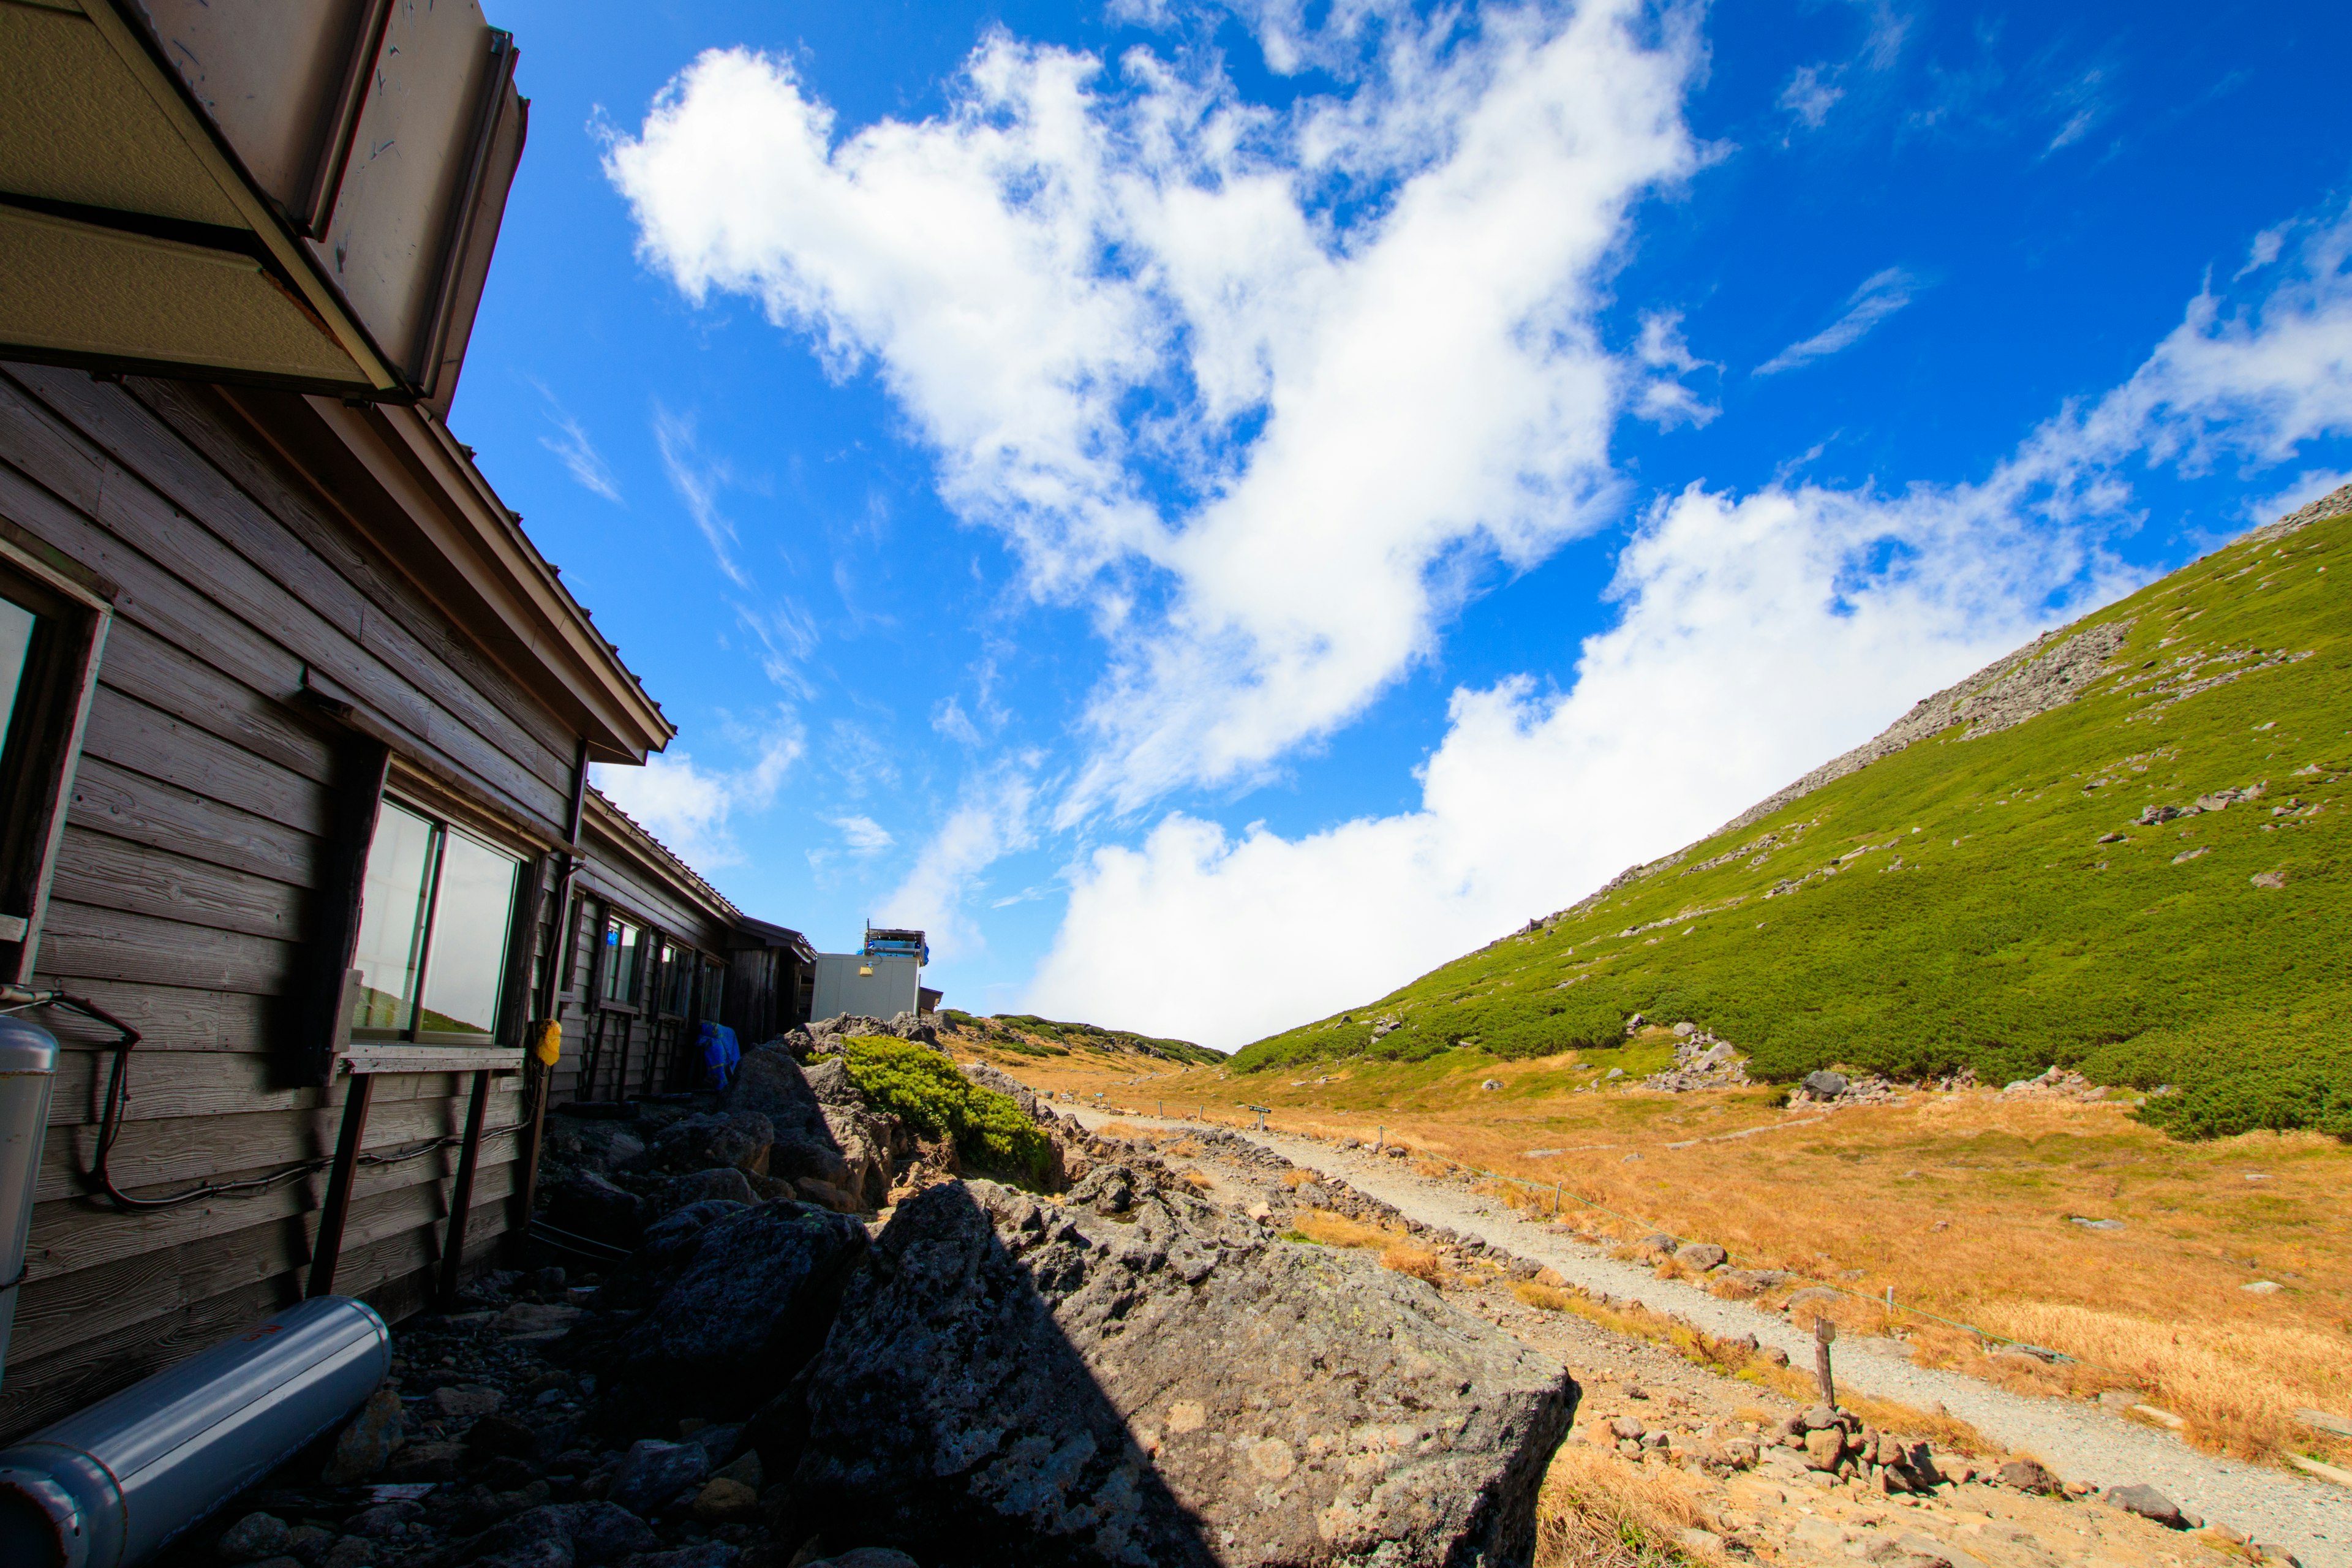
x: 1692, y: 1417
x: 821, y: 1338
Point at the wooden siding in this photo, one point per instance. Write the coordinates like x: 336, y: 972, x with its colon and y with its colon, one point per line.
x: 185, y: 890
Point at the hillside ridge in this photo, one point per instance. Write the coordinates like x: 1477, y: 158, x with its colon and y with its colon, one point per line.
x: 2055, y: 882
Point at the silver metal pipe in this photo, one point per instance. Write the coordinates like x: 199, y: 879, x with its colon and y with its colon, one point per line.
x: 107, y: 1487
x: 28, y: 1075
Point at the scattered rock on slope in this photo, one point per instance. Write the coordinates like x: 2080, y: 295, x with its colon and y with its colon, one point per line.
x: 1136, y: 1376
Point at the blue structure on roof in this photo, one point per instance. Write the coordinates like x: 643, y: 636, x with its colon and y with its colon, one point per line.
x: 895, y: 943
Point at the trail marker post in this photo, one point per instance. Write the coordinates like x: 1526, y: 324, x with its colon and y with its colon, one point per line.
x: 1824, y: 1336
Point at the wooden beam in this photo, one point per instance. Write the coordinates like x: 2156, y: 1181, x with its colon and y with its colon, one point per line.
x: 461, y: 1196
x: 329, y: 1247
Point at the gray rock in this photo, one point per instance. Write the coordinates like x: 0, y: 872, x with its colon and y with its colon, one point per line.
x: 653, y: 1472
x: 1826, y: 1085
x: 253, y: 1538
x: 465, y: 1403
x: 586, y: 1204
x: 382, y: 1521
x: 701, y: 1555
x: 368, y: 1443
x: 601, y: 1532
x: 868, y: 1557
x: 1158, y: 1381
x: 594, y: 1144
x: 738, y: 1305
x: 699, y: 1187
x: 737, y: 1138
x: 353, y: 1551
x: 2027, y: 1476
x: 309, y: 1544
x: 2148, y: 1503
x: 1701, y: 1255
x: 770, y: 1083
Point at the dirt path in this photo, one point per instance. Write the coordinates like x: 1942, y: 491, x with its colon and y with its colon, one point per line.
x: 2080, y: 1441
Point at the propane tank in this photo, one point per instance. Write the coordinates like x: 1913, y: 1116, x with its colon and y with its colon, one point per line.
x: 108, y: 1486
x: 28, y: 1072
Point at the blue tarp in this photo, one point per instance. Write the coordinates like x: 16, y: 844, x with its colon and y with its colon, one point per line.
x: 719, y: 1055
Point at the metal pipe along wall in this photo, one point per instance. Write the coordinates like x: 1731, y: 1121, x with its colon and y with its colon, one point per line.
x: 107, y: 1487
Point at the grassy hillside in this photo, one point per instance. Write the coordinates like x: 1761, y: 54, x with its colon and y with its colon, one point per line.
x: 1028, y: 1035
x: 2003, y: 899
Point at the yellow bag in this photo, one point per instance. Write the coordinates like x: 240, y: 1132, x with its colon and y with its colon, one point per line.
x: 547, y: 1040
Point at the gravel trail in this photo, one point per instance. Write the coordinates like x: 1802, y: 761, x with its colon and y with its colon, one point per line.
x: 2081, y: 1441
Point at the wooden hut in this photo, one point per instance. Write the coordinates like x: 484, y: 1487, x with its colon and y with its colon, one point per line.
x: 293, y: 784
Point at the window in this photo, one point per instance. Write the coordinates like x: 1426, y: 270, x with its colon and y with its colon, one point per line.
x: 47, y: 637
x: 678, y: 979
x: 623, y: 951
x: 435, y: 912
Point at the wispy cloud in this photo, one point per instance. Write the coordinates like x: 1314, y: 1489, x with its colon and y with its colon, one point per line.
x: 572, y: 444
x: 1663, y: 398
x: 1880, y: 296
x: 698, y: 481
x: 690, y: 807
x: 1810, y: 93
x: 863, y: 835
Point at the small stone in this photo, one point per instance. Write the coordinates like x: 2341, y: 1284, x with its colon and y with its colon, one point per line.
x: 426, y: 1462
x: 252, y: 1538
x: 384, y: 1520
x: 353, y: 1551
x: 466, y: 1404
x: 1701, y: 1255
x: 368, y: 1443
x: 1697, y: 1539
x: 2262, y: 1287
x: 537, y: 1322
x: 2027, y: 1476
x: 653, y: 1472
x: 1824, y: 1085
x: 867, y: 1557
x: 745, y: 1468
x: 2148, y: 1503
x: 1823, y: 1448
x: 601, y: 1532
x: 500, y: 1437
x: 726, y: 1501
x: 2270, y: 879
x: 308, y: 1544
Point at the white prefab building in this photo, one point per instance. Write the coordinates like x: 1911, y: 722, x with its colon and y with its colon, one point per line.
x: 876, y: 985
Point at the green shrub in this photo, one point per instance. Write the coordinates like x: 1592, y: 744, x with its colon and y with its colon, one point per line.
x: 924, y: 1088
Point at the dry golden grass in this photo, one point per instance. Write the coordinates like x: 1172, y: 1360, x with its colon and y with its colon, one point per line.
x: 1961, y: 1203
x: 1297, y: 1177
x: 1328, y: 1229
x: 1413, y: 1260
x: 1597, y: 1512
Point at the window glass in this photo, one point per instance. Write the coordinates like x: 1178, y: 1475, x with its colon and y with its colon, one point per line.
x: 622, y: 945
x: 391, y: 918
x: 16, y: 624
x: 677, y: 977
x: 473, y: 913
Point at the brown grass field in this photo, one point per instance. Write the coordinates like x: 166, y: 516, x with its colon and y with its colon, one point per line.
x: 1964, y: 1204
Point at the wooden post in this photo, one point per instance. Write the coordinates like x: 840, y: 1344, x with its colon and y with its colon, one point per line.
x: 1824, y: 1336
x: 329, y: 1247
x: 461, y: 1195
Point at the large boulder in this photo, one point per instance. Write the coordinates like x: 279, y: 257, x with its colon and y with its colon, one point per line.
x: 586, y: 1204
x: 806, y: 1145
x: 738, y: 1138
x: 728, y: 1302
x: 1138, y: 1377
x: 867, y: 1140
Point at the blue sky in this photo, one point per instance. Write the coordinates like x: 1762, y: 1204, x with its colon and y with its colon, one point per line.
x: 1214, y: 511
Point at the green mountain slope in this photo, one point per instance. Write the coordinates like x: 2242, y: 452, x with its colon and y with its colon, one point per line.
x: 1995, y: 884
x: 1029, y: 1034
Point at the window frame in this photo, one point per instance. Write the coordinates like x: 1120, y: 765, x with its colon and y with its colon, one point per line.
x: 611, y: 916
x: 512, y: 964
x: 38, y: 764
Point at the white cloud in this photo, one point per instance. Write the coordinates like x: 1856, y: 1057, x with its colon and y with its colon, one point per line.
x: 1362, y: 404
x: 1759, y: 635
x: 689, y: 807
x: 993, y: 819
x: 698, y: 481
x: 863, y: 835
x: 1812, y: 91
x: 1880, y: 296
x: 1662, y: 398
x: 580, y: 456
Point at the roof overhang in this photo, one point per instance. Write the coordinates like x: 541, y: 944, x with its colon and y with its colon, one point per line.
x: 303, y: 196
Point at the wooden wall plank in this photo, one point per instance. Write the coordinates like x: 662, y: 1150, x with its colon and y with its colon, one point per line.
x: 130, y: 734
x: 101, y: 871
x: 168, y: 1017
x: 143, y: 665
x: 81, y: 942
x: 198, y: 417
x: 255, y: 548
x: 73, y: 1234
x: 154, y: 1157
x: 130, y: 512
x: 210, y: 1083
x: 112, y: 799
